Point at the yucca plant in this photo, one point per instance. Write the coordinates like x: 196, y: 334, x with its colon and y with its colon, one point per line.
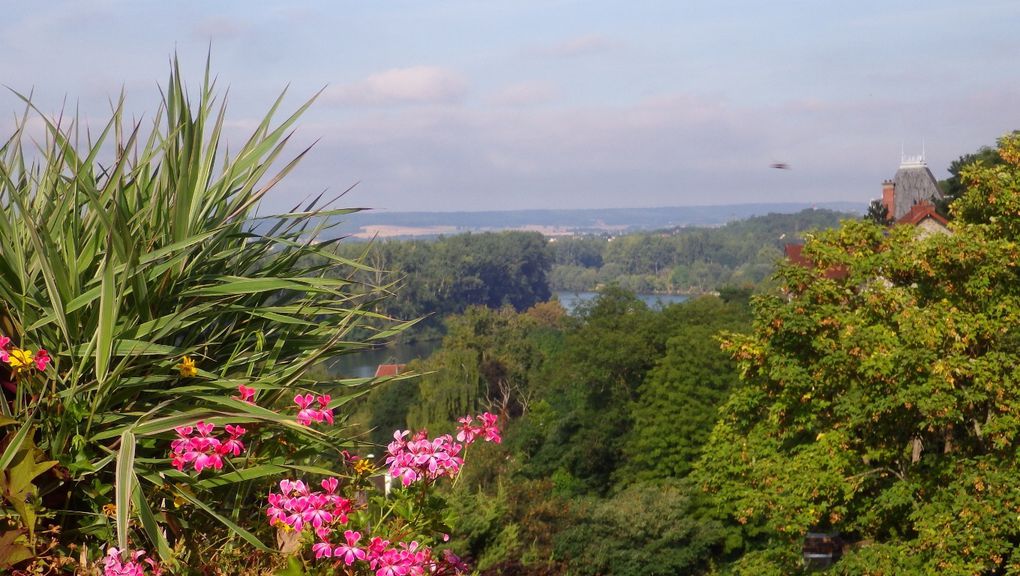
x: 127, y: 270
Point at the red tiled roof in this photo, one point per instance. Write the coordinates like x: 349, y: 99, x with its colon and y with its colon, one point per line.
x: 920, y: 211
x: 389, y: 370
x: 794, y: 253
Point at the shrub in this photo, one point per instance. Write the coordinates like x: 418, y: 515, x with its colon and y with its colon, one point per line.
x: 138, y: 259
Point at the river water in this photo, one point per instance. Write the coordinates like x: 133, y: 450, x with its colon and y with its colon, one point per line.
x: 363, y: 364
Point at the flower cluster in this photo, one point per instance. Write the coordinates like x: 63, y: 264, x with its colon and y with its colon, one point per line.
x: 307, y: 414
x: 404, y: 559
x: 195, y: 445
x: 419, y: 457
x: 297, y: 506
x: 387, y: 559
x: 21, y: 359
x: 115, y: 565
x: 487, y: 428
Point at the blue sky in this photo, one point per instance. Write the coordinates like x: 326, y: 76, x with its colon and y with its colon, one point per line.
x: 482, y: 105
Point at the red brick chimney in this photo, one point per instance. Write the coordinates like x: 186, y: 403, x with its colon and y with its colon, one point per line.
x: 888, y: 197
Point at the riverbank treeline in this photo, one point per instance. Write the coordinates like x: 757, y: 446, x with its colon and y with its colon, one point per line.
x: 683, y: 260
x: 431, y: 279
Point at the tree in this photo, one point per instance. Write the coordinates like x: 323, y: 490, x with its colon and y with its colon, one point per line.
x: 954, y: 186
x: 878, y: 213
x: 588, y: 387
x: 676, y: 404
x: 883, y: 401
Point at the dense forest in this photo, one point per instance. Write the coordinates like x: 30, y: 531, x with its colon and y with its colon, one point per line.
x: 872, y: 395
x: 431, y: 279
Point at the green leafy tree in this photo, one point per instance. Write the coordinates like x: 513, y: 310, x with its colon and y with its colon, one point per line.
x: 648, y: 529
x: 955, y: 186
x: 878, y: 213
x: 882, y: 393
x: 676, y: 404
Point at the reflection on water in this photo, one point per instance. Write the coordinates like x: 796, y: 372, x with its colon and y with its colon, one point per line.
x: 570, y: 300
x: 363, y: 364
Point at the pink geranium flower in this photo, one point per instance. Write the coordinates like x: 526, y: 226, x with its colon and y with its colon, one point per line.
x: 350, y: 552
x: 247, y: 394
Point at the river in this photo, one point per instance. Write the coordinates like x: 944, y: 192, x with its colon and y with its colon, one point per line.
x: 363, y: 364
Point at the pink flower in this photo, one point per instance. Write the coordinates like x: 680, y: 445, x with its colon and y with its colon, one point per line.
x: 194, y: 445
x: 115, y: 565
x: 42, y: 358
x: 466, y: 433
x: 411, y: 460
x: 391, y: 563
x: 5, y: 343
x: 455, y: 563
x: 329, y: 485
x: 306, y: 414
x: 349, y: 552
x: 232, y: 445
x: 247, y: 394
x: 323, y: 550
x: 489, y: 428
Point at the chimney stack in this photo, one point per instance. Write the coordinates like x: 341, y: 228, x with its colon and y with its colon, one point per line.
x: 888, y: 197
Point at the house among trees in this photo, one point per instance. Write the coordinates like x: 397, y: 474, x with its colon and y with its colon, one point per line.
x: 911, y: 195
x: 908, y: 198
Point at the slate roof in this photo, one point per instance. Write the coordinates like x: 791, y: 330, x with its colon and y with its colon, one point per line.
x: 914, y: 184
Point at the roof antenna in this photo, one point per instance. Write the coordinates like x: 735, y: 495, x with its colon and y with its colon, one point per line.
x: 922, y: 151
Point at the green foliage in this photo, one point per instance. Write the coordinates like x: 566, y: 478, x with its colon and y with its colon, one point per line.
x: 121, y: 268
x: 881, y: 394
x: 646, y: 530
x: 448, y: 275
x: 676, y: 404
x: 589, y: 386
x: 682, y: 260
x: 878, y: 213
x: 488, y: 360
x: 956, y: 185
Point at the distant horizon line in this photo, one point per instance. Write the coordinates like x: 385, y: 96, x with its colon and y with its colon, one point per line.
x: 828, y: 203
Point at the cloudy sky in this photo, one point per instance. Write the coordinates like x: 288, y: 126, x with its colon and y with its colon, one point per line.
x: 509, y: 104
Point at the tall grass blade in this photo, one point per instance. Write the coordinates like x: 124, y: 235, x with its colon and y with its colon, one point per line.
x: 124, y: 485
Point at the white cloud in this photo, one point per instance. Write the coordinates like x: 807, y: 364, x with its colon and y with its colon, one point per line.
x: 414, y: 85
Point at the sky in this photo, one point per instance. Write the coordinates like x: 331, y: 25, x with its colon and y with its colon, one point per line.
x: 467, y: 105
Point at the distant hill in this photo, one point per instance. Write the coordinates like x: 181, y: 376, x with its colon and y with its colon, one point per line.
x: 568, y: 222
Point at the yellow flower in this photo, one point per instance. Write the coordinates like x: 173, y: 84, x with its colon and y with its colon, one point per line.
x: 187, y: 367
x: 20, y: 359
x: 363, y: 466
